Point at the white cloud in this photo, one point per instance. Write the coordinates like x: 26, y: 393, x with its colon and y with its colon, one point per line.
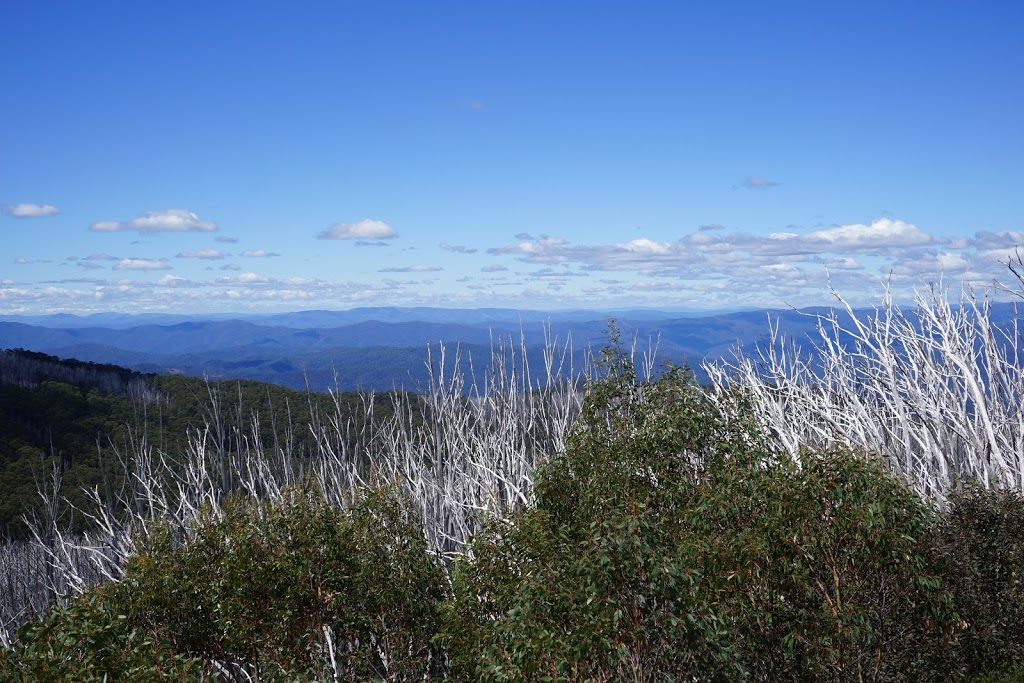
x: 914, y: 266
x: 258, y: 253
x: 21, y: 261
x: 29, y: 210
x: 410, y: 269
x: 102, y: 256
x: 174, y: 281
x: 543, y: 249
x: 141, y: 264
x: 231, y: 266
x: 784, y: 266
x: 882, y: 235
x: 364, y: 229
x: 169, y: 220
x: 493, y: 269
x: 990, y: 241
x: 172, y: 293
x: 247, y: 279
x: 645, y: 246
x: 225, y: 239
x: 209, y: 254
x: 884, y: 232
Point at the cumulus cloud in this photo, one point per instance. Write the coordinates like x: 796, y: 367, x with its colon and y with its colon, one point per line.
x: 169, y: 220
x: 493, y: 269
x: 912, y: 266
x: 21, y: 261
x: 248, y: 279
x: 544, y: 249
x: 208, y: 254
x: 456, y: 248
x: 989, y: 241
x: 225, y: 239
x: 884, y: 232
x: 646, y: 246
x: 882, y: 235
x: 29, y: 210
x: 712, y: 226
x: 141, y: 264
x: 411, y: 269
x: 175, y: 281
x: 755, y: 182
x: 102, y: 256
x: 364, y: 229
x: 783, y: 265
x: 231, y: 266
x: 258, y: 253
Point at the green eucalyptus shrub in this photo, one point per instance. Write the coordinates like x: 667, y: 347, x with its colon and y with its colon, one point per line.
x: 89, y: 642
x: 599, y: 580
x: 982, y: 537
x: 538, y: 603
x: 670, y: 542
x: 827, y: 571
x: 294, y: 587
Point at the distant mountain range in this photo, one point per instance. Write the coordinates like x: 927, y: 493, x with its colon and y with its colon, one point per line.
x: 379, y: 348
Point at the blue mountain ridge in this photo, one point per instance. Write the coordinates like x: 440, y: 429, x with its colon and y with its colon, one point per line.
x: 383, y: 348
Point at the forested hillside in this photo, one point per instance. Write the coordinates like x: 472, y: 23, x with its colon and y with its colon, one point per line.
x: 83, y: 419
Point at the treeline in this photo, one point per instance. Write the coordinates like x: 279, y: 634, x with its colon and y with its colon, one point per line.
x: 28, y: 369
x: 673, y: 540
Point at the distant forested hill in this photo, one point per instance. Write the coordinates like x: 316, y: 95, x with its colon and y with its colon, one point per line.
x: 382, y: 349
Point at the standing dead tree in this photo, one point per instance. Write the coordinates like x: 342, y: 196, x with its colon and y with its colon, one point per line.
x: 938, y: 391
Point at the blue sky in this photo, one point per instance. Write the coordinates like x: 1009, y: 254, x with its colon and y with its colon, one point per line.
x: 220, y: 156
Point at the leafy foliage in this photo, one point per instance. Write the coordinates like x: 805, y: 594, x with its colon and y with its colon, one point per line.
x: 263, y: 587
x: 981, y: 536
x: 88, y: 642
x: 671, y: 543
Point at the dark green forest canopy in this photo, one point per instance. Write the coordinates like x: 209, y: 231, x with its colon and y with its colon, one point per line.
x: 78, y: 416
